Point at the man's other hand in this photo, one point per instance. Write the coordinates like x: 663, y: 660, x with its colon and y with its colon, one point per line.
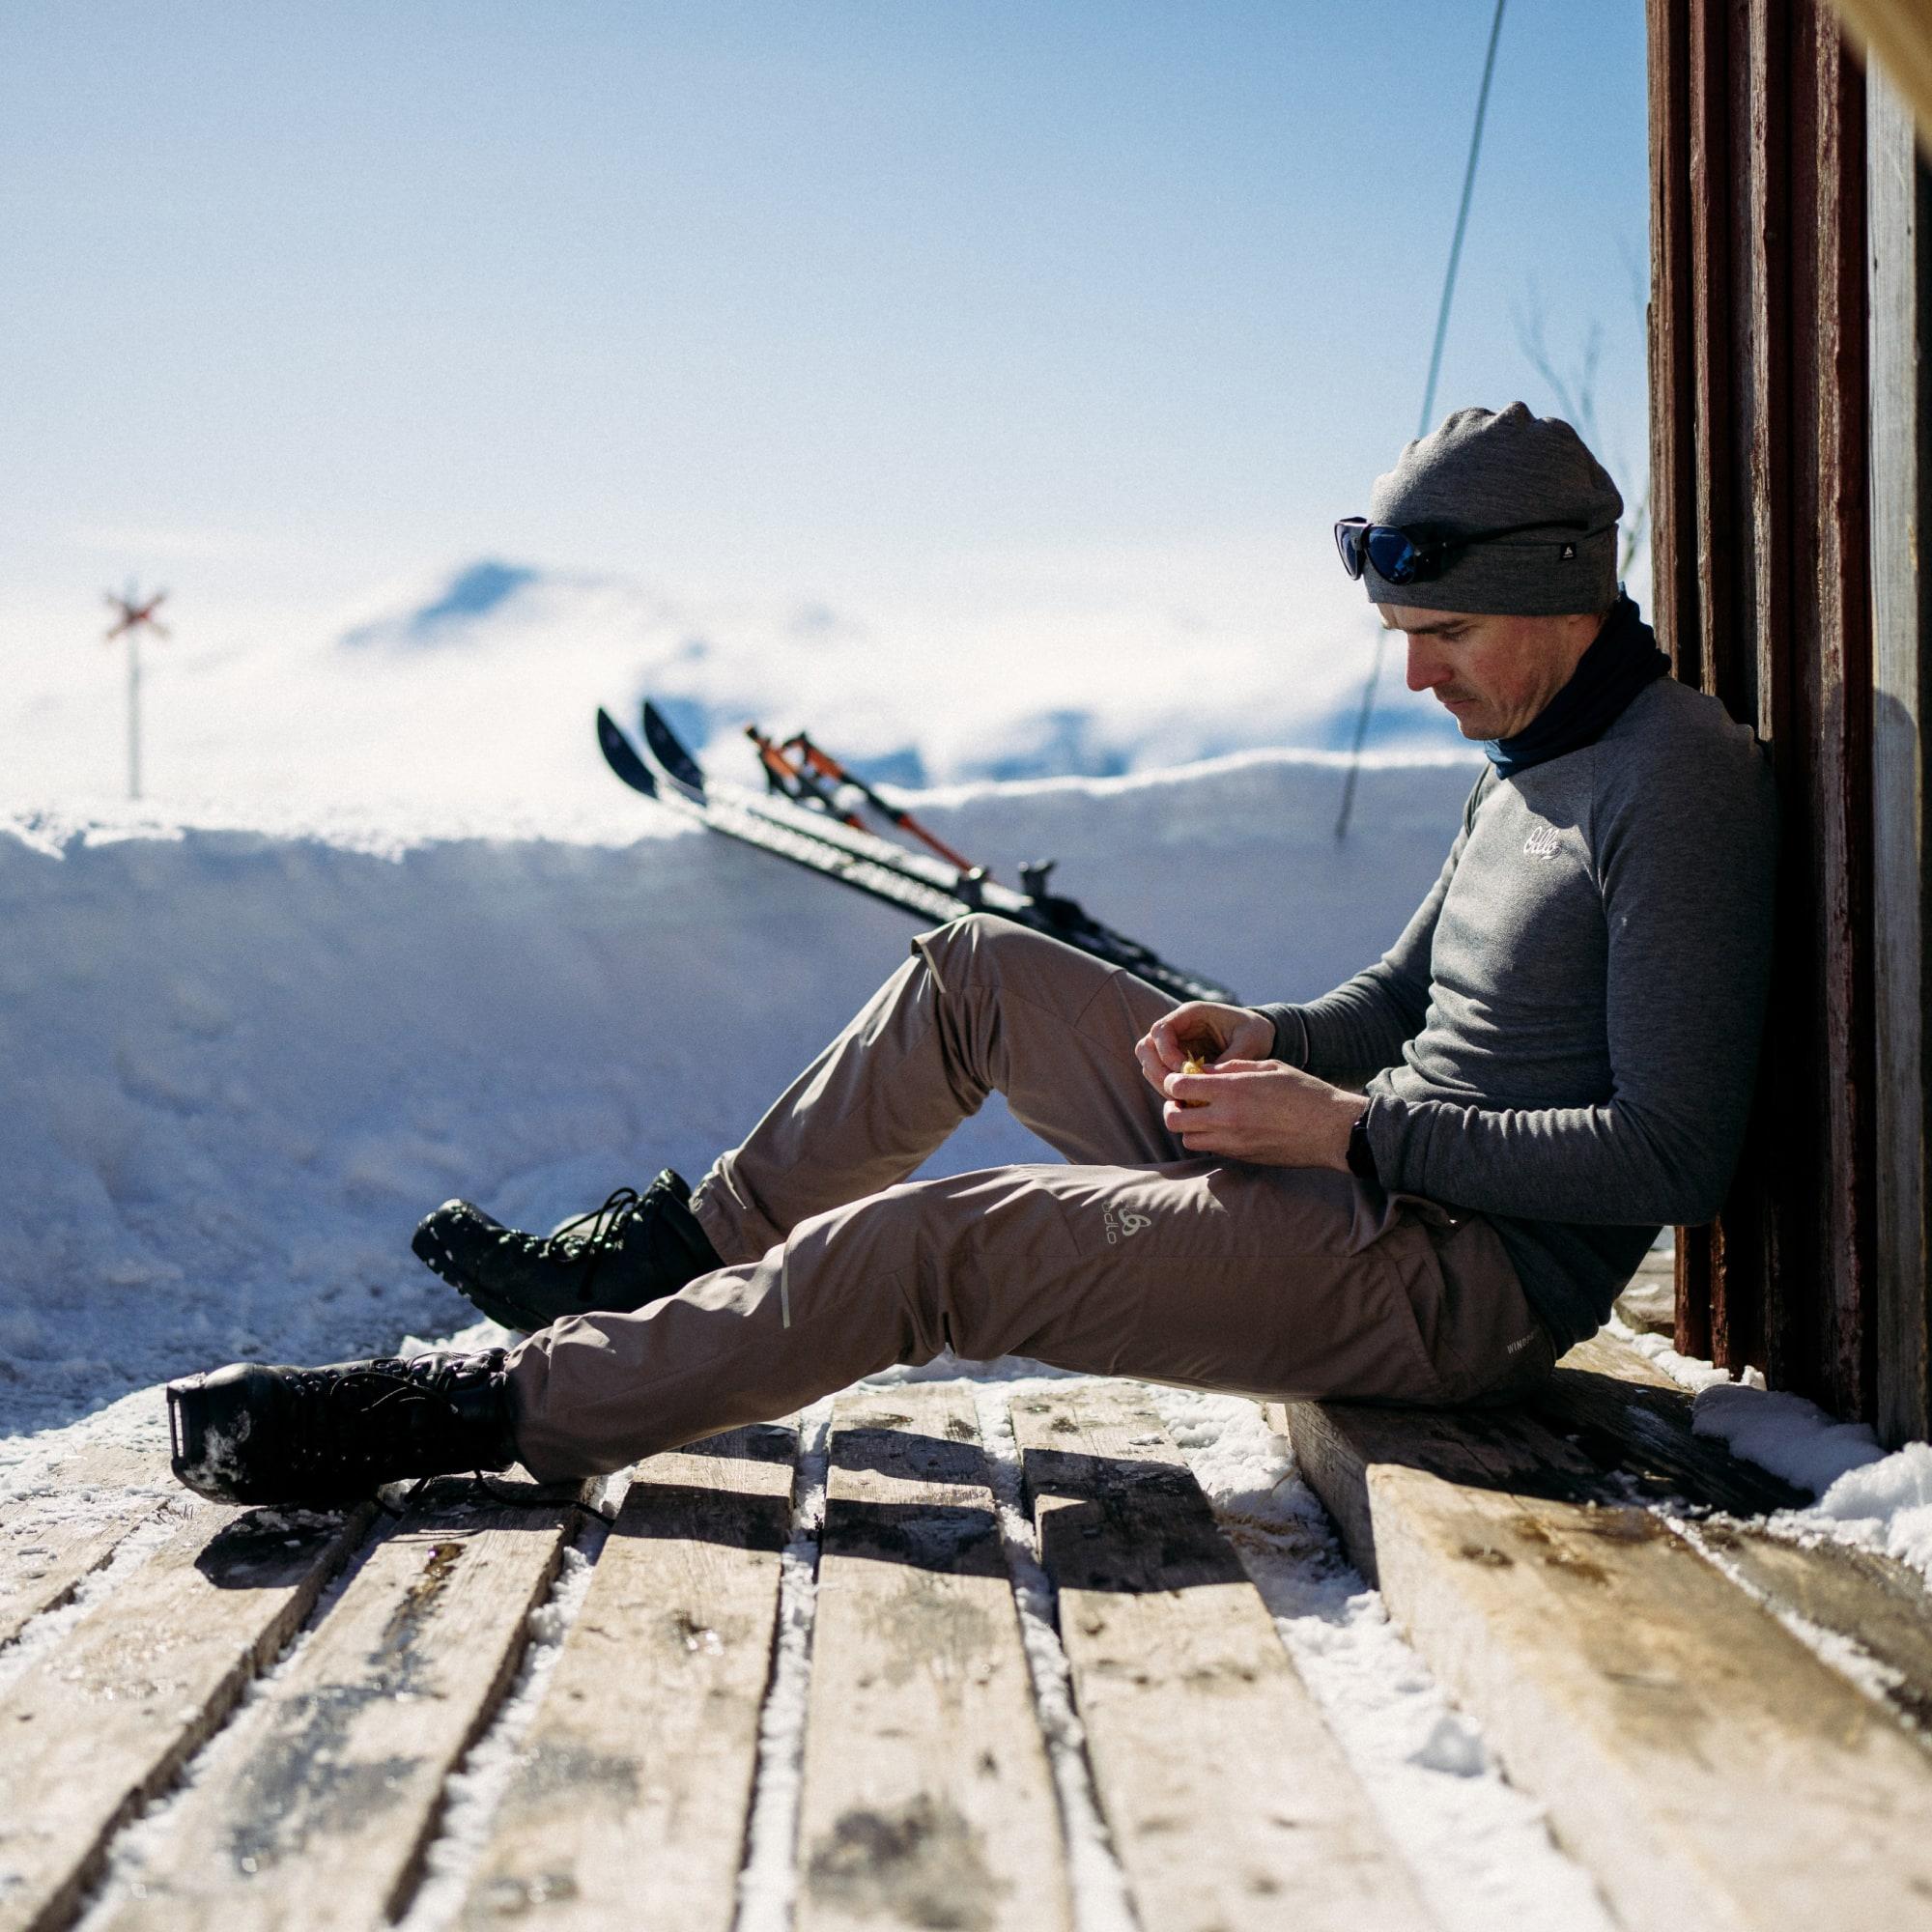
x: 1201, y: 1030
x: 1262, y: 1111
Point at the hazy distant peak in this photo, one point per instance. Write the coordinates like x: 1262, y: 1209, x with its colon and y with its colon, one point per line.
x: 476, y: 590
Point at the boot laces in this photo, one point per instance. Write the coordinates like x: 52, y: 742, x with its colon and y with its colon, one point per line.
x: 606, y: 1227
x: 317, y: 1437
x: 335, y: 1400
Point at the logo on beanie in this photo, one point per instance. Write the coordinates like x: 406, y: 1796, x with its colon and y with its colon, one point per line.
x: 1122, y: 1224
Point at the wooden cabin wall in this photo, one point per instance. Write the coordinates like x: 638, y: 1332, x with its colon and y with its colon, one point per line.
x: 1758, y: 341
x: 1899, y: 192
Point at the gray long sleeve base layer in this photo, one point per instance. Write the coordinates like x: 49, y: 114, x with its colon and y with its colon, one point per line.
x: 1564, y: 1036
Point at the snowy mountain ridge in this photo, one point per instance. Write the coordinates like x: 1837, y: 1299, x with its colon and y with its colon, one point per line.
x: 478, y: 682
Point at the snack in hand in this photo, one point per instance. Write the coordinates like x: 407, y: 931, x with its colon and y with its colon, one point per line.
x: 1193, y: 1064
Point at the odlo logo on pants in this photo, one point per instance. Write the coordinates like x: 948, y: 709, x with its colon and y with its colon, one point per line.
x: 1122, y: 1223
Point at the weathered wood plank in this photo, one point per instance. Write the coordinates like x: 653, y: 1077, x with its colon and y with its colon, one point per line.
x: 1665, y: 1717
x: 1869, y: 1600
x: 1673, y: 481
x: 1823, y: 1348
x: 1634, y: 1424
x: 108, y: 1716
x: 1229, y: 1800
x: 1708, y: 522
x: 1337, y: 1445
x: 49, y: 1545
x: 1648, y: 1302
x: 1900, y: 189
x: 927, y: 1798
x: 323, y: 1796
x: 632, y: 1786
x: 1630, y: 1417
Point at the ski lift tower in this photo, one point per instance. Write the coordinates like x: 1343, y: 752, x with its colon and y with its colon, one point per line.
x: 131, y: 617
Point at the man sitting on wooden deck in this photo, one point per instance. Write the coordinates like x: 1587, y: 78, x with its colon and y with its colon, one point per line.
x: 1419, y: 1188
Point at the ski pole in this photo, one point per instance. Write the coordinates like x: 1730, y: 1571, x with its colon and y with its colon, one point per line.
x: 796, y: 783
x: 827, y: 766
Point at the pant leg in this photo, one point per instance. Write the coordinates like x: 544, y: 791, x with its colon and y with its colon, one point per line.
x: 1277, y: 1282
x: 982, y: 1005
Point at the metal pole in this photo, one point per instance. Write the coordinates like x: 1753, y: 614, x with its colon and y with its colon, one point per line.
x: 1462, y: 222
x: 135, y: 712
x: 1427, y: 398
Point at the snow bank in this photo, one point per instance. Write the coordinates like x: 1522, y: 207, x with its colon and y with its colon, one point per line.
x: 1690, y: 1372
x: 1864, y: 1496
x: 238, y: 1063
x: 1885, y: 1505
x: 1784, y: 1433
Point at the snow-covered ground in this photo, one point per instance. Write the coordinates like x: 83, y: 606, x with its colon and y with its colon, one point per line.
x: 238, y: 1063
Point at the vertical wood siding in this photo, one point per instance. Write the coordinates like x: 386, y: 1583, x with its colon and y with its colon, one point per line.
x: 1758, y: 440
x: 1899, y: 188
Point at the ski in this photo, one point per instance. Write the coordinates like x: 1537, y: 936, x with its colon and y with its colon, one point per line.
x: 911, y: 880
x: 796, y: 843
x: 675, y: 763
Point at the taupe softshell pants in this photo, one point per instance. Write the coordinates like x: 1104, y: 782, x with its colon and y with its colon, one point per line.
x: 1135, y: 1259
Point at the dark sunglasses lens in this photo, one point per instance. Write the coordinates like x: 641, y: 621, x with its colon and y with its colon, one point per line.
x: 1348, y: 541
x: 1393, y: 555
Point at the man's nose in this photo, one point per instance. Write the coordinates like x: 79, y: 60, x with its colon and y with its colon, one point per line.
x: 1426, y: 667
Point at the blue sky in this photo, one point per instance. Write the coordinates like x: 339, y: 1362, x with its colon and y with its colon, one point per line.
x: 817, y: 299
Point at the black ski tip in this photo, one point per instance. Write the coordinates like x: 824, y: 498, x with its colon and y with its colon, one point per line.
x: 621, y: 756
x: 668, y: 748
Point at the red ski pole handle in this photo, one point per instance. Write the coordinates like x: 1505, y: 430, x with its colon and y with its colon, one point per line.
x: 797, y: 782
x: 829, y: 767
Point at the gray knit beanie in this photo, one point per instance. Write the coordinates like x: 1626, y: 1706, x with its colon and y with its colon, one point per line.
x: 1488, y: 470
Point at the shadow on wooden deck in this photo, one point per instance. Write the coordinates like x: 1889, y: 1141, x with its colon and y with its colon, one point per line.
x: 1590, y: 1578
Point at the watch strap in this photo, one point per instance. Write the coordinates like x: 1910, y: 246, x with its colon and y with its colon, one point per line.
x: 1362, y: 1155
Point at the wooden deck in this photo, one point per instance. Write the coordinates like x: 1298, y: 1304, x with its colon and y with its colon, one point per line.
x: 301, y: 1691
x: 1728, y: 1728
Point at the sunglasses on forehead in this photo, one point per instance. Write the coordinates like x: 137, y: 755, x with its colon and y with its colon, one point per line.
x: 1414, y: 556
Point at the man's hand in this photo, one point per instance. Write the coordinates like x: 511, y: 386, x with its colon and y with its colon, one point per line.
x: 1202, y: 1030
x: 1262, y: 1111
x: 1244, y: 1105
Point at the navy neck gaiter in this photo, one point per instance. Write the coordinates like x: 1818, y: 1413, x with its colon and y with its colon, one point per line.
x: 1622, y: 659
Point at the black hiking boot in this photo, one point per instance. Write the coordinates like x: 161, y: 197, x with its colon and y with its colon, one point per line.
x: 248, y: 1434
x: 635, y: 1249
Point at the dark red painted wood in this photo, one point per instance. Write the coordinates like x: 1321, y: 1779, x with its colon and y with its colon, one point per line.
x: 1759, y: 414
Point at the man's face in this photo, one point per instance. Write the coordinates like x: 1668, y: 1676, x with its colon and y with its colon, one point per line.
x: 1492, y: 674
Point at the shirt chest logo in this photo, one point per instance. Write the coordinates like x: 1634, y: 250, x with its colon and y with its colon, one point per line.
x: 1124, y: 1224
x: 1541, y: 843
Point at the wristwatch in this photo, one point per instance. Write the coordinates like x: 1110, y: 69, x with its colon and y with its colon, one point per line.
x: 1361, y: 1155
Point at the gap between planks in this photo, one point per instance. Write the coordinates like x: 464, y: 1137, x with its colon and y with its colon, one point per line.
x: 928, y: 1796
x: 317, y: 1803
x: 46, y: 1551
x: 631, y: 1788
x: 1229, y: 1800
x: 112, y: 1712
